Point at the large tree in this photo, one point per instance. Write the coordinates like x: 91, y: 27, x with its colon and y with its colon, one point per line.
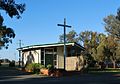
x: 112, y: 45
x: 70, y: 37
x: 112, y: 24
x: 12, y: 9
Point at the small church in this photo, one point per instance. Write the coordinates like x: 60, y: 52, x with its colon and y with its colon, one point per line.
x: 53, y: 54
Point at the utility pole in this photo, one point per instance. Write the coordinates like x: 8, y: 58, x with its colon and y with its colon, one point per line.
x: 64, y: 26
x: 19, y: 53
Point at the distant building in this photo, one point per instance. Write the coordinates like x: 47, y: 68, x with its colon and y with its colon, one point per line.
x: 54, y: 54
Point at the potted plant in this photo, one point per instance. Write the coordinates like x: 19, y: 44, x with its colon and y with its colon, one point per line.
x: 46, y: 70
x: 36, y: 68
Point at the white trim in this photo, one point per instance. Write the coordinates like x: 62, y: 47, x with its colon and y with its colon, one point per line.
x: 57, y: 61
x: 49, y: 45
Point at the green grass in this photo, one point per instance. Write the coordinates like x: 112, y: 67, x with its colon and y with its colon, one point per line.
x: 104, y: 70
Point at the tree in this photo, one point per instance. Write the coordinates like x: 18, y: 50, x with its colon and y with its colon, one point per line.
x: 106, y: 51
x: 102, y: 49
x: 112, y: 46
x: 84, y: 37
x: 112, y: 24
x: 70, y: 37
x: 12, y: 9
x: 95, y: 44
x: 118, y: 14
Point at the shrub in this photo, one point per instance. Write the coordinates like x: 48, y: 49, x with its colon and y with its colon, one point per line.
x: 42, y: 66
x: 12, y: 64
x: 50, y: 67
x: 29, y: 67
x: 34, y: 67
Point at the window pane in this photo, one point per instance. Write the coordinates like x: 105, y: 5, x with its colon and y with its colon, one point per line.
x: 42, y: 62
x: 55, y: 62
x: 42, y: 55
x: 48, y: 51
x: 55, y: 49
x: 55, y: 57
x: 42, y: 49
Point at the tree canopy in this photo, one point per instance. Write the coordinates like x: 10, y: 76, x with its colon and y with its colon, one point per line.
x: 72, y: 36
x: 112, y: 24
x: 12, y: 9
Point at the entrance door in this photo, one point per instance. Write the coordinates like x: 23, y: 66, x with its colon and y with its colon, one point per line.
x: 48, y: 57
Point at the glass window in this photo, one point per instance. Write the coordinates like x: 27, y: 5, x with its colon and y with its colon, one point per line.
x: 55, y: 57
x: 42, y: 55
x: 48, y: 51
x: 42, y: 49
x: 55, y: 60
x: 55, y: 63
x: 55, y: 49
x: 42, y: 62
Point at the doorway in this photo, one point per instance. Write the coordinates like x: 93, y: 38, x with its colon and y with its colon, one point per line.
x: 49, y: 56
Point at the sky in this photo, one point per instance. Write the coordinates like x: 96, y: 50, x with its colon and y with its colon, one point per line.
x: 38, y: 24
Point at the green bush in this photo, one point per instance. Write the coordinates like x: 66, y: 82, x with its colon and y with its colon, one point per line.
x: 29, y: 67
x: 49, y: 66
x: 34, y: 67
x: 42, y: 66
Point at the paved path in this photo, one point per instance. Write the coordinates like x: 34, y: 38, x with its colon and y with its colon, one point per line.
x: 14, y: 76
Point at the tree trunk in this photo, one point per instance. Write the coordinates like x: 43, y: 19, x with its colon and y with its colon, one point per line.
x: 114, y: 64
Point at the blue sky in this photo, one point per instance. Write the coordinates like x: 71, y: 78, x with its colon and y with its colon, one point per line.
x: 38, y: 24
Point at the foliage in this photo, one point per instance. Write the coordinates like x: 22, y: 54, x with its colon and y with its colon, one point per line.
x: 29, y: 67
x: 99, y: 47
x: 85, y: 38
x: 12, y: 9
x: 112, y: 24
x: 34, y: 66
x: 118, y: 14
x: 70, y: 37
x: 6, y: 35
x: 49, y: 67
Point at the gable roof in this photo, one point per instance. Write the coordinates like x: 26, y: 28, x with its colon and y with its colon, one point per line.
x: 50, y: 45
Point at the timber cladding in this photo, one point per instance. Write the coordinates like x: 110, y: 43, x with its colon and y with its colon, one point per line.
x: 74, y: 63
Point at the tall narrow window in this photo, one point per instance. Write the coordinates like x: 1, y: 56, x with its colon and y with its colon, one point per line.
x: 55, y: 57
x: 55, y: 60
x: 42, y: 56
